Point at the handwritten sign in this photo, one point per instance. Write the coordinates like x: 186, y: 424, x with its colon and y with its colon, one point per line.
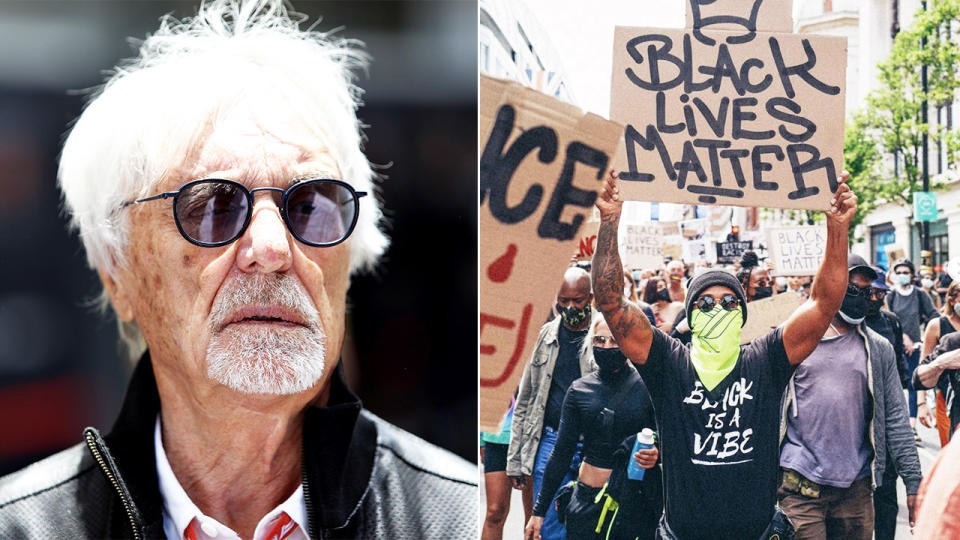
x: 767, y: 314
x: 542, y: 162
x: 641, y: 245
x: 733, y: 110
x: 588, y: 241
x: 728, y: 252
x: 796, y: 251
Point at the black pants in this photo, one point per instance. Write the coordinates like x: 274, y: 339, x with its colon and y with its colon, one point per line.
x: 885, y: 504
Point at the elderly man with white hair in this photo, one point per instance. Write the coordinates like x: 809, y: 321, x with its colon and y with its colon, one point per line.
x: 219, y: 189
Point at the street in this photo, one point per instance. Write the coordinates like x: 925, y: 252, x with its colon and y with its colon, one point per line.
x: 927, y: 450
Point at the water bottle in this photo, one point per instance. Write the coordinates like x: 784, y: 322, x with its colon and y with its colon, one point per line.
x: 644, y: 442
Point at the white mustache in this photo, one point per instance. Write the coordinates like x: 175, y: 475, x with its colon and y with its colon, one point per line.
x: 263, y: 289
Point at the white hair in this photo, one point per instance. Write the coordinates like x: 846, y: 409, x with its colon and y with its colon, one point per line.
x: 155, y: 108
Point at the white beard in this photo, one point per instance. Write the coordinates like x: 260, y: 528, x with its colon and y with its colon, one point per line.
x: 264, y: 360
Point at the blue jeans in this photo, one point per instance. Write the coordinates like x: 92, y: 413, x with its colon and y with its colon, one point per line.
x: 912, y: 360
x: 551, y: 529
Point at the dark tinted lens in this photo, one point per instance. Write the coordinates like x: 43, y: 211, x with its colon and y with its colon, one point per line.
x: 211, y: 212
x: 705, y: 303
x: 853, y: 290
x: 321, y: 212
x: 730, y: 302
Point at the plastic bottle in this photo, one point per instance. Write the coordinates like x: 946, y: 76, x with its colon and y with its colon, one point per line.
x: 644, y: 442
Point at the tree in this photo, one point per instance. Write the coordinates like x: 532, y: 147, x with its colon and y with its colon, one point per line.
x: 892, y: 116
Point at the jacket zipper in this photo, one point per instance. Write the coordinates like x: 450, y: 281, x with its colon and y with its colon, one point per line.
x: 306, y: 487
x: 91, y: 444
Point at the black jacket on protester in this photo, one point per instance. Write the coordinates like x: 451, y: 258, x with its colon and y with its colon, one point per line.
x: 887, y: 324
x: 362, y: 478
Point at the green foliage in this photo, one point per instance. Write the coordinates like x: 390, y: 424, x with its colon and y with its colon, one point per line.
x: 891, y: 126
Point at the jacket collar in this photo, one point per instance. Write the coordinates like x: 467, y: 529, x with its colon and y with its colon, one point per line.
x: 339, y: 447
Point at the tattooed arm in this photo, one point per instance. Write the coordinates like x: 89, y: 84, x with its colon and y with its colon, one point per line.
x: 805, y: 328
x: 630, y: 327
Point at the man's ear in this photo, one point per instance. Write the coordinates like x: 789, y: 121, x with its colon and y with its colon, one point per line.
x: 119, y: 296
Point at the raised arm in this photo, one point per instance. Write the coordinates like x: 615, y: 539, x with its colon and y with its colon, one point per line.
x: 630, y: 327
x: 805, y: 328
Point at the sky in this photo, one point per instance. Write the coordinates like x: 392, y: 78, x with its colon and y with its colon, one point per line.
x: 583, y: 37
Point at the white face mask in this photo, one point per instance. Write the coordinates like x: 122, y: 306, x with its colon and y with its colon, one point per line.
x: 851, y: 320
x: 903, y: 279
x: 927, y: 283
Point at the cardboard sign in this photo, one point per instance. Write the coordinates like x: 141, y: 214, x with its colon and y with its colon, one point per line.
x: 796, y: 251
x: 767, y: 314
x: 729, y: 252
x: 588, y: 241
x: 641, y: 245
x: 895, y: 252
x: 733, y: 110
x: 695, y: 251
x: 693, y: 229
x: 542, y: 162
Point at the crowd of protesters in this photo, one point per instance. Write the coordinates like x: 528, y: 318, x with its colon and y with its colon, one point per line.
x: 801, y: 432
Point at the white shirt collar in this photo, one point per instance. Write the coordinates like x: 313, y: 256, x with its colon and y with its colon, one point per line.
x: 179, y: 510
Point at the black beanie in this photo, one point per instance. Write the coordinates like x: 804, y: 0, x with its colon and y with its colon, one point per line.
x: 708, y: 279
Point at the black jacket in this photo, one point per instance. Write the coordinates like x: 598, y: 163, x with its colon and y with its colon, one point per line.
x: 362, y: 478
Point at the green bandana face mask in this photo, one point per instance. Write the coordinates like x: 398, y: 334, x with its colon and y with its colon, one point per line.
x: 715, y: 343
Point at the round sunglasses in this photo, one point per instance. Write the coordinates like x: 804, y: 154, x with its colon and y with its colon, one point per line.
x: 729, y: 302
x: 214, y: 212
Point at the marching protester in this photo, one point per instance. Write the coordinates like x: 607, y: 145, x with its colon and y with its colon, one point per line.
x: 880, y: 320
x: 676, y: 284
x: 944, y: 325
x: 558, y: 359
x: 754, y: 279
x: 914, y: 308
x: 927, y: 285
x: 942, y: 367
x: 665, y: 310
x: 844, y: 414
x: 606, y: 409
x: 938, y: 514
x: 219, y: 188
x: 717, y: 403
x: 496, y: 484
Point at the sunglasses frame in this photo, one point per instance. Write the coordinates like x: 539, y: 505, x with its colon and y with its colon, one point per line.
x: 861, y: 291
x: 284, y: 198
x: 724, y: 303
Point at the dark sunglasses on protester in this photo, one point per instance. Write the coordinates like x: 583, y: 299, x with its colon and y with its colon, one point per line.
x: 213, y: 212
x: 729, y: 302
x: 853, y: 290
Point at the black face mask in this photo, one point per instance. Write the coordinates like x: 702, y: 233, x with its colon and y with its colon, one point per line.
x: 610, y: 361
x: 855, y: 307
x: 663, y: 294
x: 873, y: 306
x: 760, y: 293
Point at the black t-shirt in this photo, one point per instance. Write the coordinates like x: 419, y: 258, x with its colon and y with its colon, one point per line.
x: 585, y: 399
x: 565, y: 371
x: 720, y: 449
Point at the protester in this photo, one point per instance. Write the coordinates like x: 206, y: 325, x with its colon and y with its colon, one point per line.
x: 630, y: 292
x: 844, y: 414
x: 754, y: 279
x: 496, y: 483
x: 606, y: 408
x: 927, y: 284
x: 938, y: 502
x: 720, y: 466
x: 676, y: 281
x: 914, y: 308
x: 943, y: 282
x: 558, y: 359
x: 945, y: 324
x: 237, y: 420
x: 664, y: 309
x: 943, y: 367
x: 885, y: 323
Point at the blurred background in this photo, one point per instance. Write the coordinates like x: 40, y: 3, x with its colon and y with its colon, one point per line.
x: 411, y: 350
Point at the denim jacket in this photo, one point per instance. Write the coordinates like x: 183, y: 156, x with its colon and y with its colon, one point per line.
x: 532, y: 398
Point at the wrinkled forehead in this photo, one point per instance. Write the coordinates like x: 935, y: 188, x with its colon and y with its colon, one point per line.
x: 600, y: 328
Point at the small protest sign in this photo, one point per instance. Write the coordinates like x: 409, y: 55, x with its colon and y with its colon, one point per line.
x: 695, y: 251
x: 674, y: 251
x: 732, y: 110
x: 767, y: 314
x: 796, y: 251
x: 588, y: 241
x: 641, y: 245
x: 542, y: 162
x: 894, y: 252
x: 693, y: 229
x: 729, y: 252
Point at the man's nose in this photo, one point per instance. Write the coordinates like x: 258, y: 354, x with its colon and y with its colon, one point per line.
x: 265, y: 245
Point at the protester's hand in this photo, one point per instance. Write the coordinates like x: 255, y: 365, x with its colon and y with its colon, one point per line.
x: 924, y: 416
x: 949, y: 360
x: 519, y: 481
x: 844, y: 204
x: 912, y: 511
x: 907, y: 344
x: 608, y: 200
x: 482, y: 451
x: 532, y: 531
x: 682, y: 327
x: 647, y: 457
